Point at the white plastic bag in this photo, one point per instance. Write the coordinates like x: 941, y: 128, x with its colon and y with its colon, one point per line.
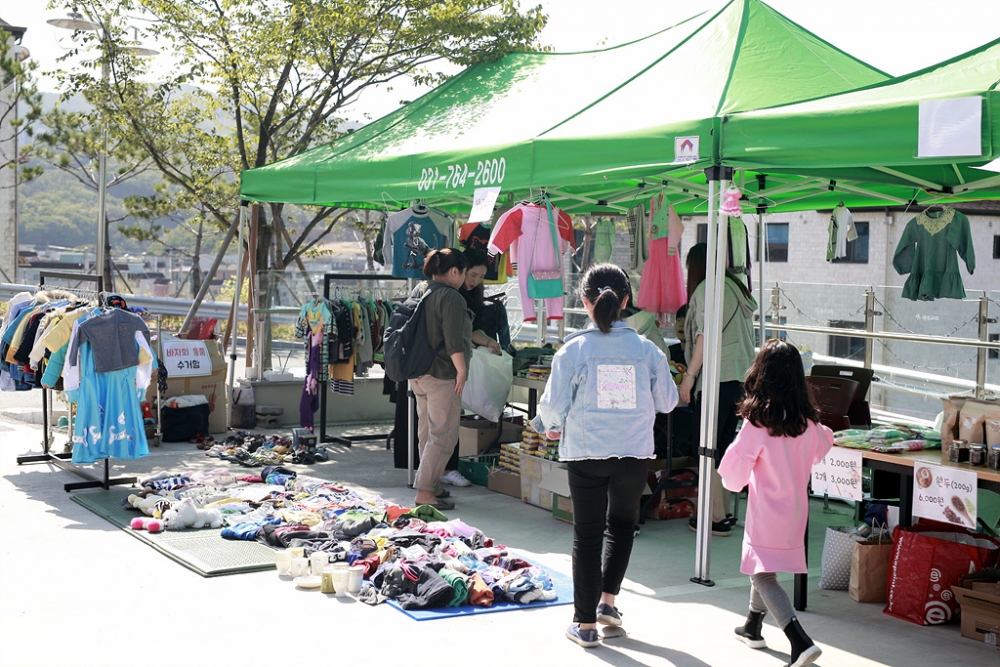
x: 490, y: 378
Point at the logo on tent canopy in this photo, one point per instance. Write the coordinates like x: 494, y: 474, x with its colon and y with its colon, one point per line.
x: 685, y: 149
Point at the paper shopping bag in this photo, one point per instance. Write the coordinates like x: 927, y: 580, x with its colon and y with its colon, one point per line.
x: 870, y: 570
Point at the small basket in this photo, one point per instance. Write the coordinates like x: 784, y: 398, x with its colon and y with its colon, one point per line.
x: 476, y: 469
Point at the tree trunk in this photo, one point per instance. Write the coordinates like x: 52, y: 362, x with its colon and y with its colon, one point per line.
x: 233, y: 228
x: 196, y: 275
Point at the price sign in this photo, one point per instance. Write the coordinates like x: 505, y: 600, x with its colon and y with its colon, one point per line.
x: 945, y: 494
x: 839, y: 474
x: 483, y: 200
x: 186, y: 358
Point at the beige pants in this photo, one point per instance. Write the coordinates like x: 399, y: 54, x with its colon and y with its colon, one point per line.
x: 438, y: 412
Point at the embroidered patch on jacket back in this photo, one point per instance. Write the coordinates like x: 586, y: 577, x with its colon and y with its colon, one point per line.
x: 616, y: 387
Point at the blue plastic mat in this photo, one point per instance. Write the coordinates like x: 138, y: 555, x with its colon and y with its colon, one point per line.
x: 564, y: 595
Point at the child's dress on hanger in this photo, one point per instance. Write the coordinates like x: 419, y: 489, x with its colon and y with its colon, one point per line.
x: 661, y: 288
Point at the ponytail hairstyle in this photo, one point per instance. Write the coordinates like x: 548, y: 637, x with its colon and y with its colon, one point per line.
x: 605, y: 286
x: 775, y: 393
x: 439, y: 262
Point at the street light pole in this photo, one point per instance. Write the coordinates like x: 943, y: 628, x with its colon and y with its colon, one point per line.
x: 75, y: 22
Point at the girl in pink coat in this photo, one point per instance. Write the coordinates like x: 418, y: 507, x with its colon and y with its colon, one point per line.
x: 780, y: 441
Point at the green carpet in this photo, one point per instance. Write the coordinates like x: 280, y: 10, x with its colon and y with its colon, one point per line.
x: 204, y: 551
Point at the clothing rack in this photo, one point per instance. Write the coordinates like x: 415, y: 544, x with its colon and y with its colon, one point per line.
x: 59, y: 459
x: 349, y: 440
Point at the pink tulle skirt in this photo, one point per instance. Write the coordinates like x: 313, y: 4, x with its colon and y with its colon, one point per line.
x: 661, y: 287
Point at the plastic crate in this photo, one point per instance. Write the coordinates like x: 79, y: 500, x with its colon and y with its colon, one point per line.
x: 476, y: 469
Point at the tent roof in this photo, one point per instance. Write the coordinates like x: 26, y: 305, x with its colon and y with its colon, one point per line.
x: 869, y: 137
x: 587, y: 126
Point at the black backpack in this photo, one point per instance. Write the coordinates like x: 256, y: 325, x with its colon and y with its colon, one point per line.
x: 408, y: 353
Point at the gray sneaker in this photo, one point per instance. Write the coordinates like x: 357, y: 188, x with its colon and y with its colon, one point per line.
x: 585, y: 638
x: 608, y: 615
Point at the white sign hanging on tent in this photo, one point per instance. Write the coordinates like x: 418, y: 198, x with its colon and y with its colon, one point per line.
x: 838, y: 474
x: 686, y: 149
x: 945, y: 494
x: 950, y: 128
x: 483, y: 200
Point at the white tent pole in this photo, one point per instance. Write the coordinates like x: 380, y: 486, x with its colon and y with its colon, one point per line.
x: 715, y: 266
x: 235, y: 326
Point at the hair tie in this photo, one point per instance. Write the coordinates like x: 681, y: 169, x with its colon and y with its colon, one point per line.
x: 604, y: 289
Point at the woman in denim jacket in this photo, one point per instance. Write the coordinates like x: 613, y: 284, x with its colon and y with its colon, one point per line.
x: 606, y: 386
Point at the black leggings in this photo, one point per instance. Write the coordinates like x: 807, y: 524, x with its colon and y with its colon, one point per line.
x: 606, y: 495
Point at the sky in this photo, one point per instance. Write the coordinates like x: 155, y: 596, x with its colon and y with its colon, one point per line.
x: 897, y: 36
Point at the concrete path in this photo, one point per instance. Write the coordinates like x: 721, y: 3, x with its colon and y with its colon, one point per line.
x: 75, y: 590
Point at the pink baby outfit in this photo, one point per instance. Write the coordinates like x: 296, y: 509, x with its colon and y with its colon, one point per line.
x: 525, y: 230
x: 661, y: 287
x: 777, y: 470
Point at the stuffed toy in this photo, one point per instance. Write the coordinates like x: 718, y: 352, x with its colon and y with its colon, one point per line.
x: 147, y: 523
x: 185, y: 514
x: 151, y: 504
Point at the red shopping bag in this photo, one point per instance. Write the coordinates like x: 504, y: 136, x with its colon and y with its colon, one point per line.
x: 927, y: 559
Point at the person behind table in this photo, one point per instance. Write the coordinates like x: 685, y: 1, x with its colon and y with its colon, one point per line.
x: 774, y: 453
x: 737, y: 353
x: 606, y: 386
x: 484, y: 329
x: 439, y: 392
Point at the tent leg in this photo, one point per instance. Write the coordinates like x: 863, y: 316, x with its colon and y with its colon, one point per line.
x: 718, y: 179
x: 234, y: 322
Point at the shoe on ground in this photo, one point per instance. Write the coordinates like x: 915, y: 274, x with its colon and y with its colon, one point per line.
x: 719, y: 528
x: 585, y: 638
x: 807, y: 657
x: 750, y: 632
x: 608, y: 615
x: 455, y: 478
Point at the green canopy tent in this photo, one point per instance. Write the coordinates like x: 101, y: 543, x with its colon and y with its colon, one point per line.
x: 870, y: 141
x: 595, y: 129
x: 588, y: 127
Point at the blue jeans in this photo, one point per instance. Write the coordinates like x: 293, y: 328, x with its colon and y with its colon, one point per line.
x: 606, y: 494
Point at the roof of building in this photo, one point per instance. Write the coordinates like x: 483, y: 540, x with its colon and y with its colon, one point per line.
x: 18, y: 32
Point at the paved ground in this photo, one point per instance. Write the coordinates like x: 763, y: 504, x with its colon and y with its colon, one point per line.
x: 76, y: 590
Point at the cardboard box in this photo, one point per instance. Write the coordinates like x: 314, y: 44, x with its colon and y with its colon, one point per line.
x: 562, y: 508
x: 475, y: 435
x: 538, y: 475
x: 980, y: 613
x: 211, y: 385
x: 505, y: 482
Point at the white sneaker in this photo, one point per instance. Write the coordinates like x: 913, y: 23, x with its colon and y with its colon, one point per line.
x: 455, y: 478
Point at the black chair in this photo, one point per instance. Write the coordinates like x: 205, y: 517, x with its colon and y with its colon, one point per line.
x: 858, y: 413
x: 833, y: 398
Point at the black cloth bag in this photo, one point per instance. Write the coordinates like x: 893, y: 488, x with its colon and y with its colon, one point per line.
x: 183, y: 424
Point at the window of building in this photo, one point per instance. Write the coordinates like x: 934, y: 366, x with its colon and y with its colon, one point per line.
x: 776, y: 246
x: 993, y: 354
x: 996, y: 247
x: 847, y: 347
x: 703, y: 232
x: 857, y: 250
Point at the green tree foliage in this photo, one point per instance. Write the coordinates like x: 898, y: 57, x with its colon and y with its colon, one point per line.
x: 254, y: 81
x: 20, y: 105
